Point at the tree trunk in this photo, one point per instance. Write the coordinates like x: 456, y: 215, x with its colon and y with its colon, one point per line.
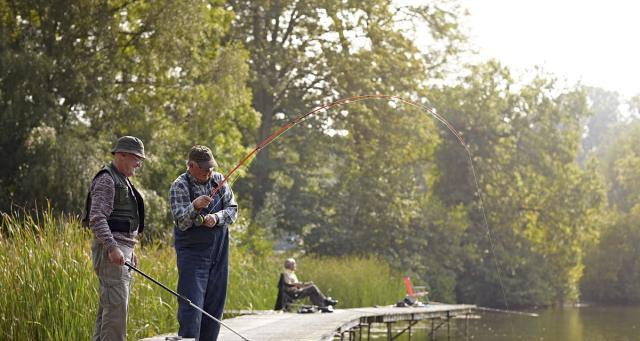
x: 263, y: 102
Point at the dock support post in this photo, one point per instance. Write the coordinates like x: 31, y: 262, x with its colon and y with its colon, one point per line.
x: 389, y: 336
x: 448, y: 325
x: 466, y: 327
x: 433, y: 331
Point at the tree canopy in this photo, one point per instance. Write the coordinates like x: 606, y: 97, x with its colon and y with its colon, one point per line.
x: 505, y: 218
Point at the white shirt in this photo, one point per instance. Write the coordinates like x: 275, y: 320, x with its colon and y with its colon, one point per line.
x: 290, y: 277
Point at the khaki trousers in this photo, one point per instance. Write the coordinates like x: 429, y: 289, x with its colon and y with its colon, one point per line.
x: 115, y: 285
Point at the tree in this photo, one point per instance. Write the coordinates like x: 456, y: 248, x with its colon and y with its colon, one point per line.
x: 539, y: 205
x: 611, y: 268
x: 299, y: 50
x: 612, y: 271
x: 619, y: 160
x: 77, y: 74
x: 46, y: 59
x: 355, y: 179
x: 606, y: 114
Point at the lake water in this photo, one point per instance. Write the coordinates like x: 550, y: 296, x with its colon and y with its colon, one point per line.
x: 591, y: 323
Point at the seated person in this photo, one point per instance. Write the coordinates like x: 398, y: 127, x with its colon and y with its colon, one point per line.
x: 304, y: 289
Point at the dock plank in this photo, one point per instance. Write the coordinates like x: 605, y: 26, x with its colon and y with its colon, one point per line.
x: 279, y: 326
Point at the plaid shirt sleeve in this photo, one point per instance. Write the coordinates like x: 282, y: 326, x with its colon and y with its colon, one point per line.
x: 229, y: 213
x: 181, y: 207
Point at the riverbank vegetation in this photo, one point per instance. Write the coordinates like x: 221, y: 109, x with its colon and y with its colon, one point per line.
x: 529, y: 201
x: 50, y: 291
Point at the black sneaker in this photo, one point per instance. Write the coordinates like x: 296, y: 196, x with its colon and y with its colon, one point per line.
x: 327, y: 309
x: 330, y: 301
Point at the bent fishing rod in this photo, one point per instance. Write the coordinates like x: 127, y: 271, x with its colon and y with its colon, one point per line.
x: 184, y: 299
x: 300, y: 118
x: 344, y: 101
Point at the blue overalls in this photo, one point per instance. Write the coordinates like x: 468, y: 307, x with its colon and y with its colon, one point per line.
x: 203, y: 270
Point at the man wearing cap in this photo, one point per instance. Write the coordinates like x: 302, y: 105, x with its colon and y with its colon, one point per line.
x: 201, y: 242
x: 114, y: 211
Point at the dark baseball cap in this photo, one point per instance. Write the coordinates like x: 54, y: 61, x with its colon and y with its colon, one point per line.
x: 129, y: 144
x: 202, y: 156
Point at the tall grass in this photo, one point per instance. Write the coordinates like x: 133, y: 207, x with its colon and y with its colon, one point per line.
x: 49, y: 291
x: 354, y: 281
x: 45, y: 294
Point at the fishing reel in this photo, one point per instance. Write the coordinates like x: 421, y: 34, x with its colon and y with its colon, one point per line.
x: 199, y: 220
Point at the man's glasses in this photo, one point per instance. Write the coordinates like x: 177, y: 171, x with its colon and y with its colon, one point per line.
x: 138, y: 159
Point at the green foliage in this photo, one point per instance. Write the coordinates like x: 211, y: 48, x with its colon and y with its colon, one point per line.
x: 354, y: 281
x: 539, y: 205
x: 77, y: 74
x: 46, y: 63
x: 355, y: 180
x: 611, y: 268
x: 369, y: 179
x: 606, y: 114
x: 305, y: 53
x: 620, y: 161
x: 55, y: 168
x: 433, y: 252
x: 50, y: 290
x: 381, y: 169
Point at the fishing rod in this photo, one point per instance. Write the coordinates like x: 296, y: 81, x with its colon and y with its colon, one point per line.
x: 184, y: 299
x: 353, y: 99
x: 504, y: 311
x: 343, y: 101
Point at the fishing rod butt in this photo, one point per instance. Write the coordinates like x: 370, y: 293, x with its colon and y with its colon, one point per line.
x: 186, y: 300
x: 131, y: 267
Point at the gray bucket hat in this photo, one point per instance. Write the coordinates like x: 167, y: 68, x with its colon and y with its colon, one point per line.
x: 129, y: 144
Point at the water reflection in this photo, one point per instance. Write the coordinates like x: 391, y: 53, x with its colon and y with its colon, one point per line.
x: 593, y: 323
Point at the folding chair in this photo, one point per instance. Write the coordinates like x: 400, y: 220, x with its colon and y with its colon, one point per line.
x: 284, y: 299
x: 413, y: 295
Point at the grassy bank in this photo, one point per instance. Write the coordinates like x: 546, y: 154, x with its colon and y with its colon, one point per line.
x: 50, y: 292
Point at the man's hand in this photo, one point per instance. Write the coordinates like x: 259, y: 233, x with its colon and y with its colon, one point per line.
x: 210, y: 220
x: 201, y: 202
x: 116, y: 256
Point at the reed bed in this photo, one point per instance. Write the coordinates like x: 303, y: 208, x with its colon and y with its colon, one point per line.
x: 354, y: 281
x: 50, y: 292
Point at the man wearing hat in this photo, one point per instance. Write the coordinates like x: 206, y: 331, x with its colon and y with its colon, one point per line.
x: 201, y: 242
x: 114, y: 211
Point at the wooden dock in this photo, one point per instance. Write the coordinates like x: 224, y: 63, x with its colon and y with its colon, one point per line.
x: 347, y: 324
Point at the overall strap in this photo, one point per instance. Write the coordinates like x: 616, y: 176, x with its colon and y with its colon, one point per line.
x: 213, y: 182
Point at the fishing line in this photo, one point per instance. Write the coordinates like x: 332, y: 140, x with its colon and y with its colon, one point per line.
x: 219, y: 199
x: 183, y: 298
x: 300, y: 118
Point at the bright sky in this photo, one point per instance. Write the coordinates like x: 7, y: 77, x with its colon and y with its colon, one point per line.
x: 594, y: 42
